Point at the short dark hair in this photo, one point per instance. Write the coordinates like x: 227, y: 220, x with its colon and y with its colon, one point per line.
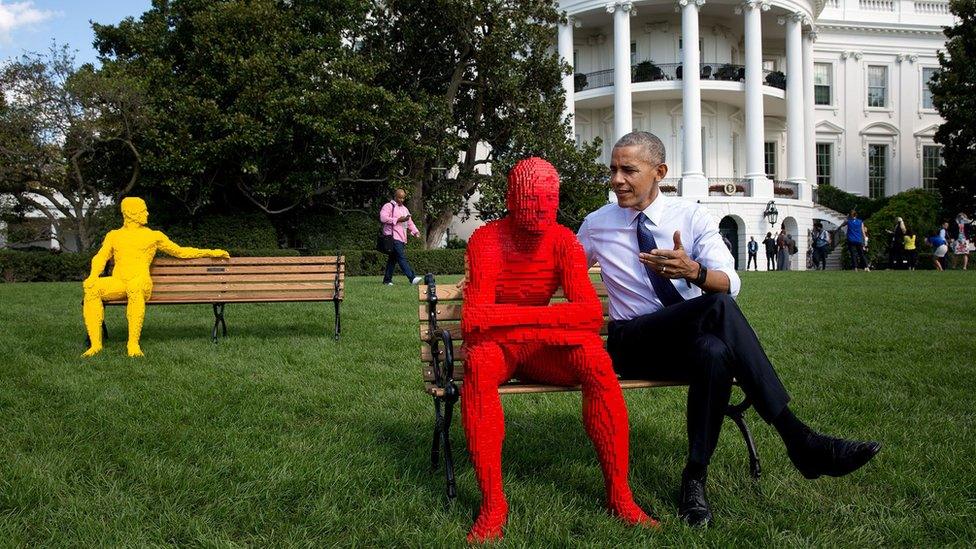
x: 651, y: 145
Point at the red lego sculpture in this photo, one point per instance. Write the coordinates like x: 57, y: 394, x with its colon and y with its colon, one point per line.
x: 514, y: 266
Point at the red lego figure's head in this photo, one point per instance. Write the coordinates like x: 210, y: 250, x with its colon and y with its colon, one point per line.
x: 533, y: 195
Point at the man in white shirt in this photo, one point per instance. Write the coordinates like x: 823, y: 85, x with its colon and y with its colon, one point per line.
x: 672, y: 282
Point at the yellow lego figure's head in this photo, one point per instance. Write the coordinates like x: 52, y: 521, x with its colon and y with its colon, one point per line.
x: 134, y: 210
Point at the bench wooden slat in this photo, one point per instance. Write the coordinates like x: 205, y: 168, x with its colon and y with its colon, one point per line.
x: 448, y: 292
x: 235, y: 297
x: 245, y: 269
x: 458, y: 337
x: 523, y: 388
x: 283, y: 260
x: 452, y: 311
x: 255, y: 286
x: 321, y: 278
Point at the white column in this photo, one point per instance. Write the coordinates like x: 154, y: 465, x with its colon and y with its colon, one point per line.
x: 693, y: 182
x: 622, y: 117
x: 565, y: 37
x: 754, y: 117
x: 809, y: 128
x: 795, y: 165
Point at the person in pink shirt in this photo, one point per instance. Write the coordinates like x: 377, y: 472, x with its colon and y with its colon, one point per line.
x: 397, y: 221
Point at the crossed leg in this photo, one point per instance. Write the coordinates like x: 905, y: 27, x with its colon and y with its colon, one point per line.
x: 604, y: 416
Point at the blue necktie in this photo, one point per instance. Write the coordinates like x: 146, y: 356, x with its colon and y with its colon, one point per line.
x: 665, y: 291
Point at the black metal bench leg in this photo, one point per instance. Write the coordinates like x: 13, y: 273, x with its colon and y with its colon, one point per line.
x: 438, y: 427
x: 218, y: 310
x: 735, y: 413
x: 338, y: 325
x: 448, y: 455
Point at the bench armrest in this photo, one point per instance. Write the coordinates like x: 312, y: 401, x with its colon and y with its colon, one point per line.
x: 444, y: 371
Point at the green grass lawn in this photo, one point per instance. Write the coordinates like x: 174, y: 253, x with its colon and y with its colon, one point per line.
x: 279, y: 435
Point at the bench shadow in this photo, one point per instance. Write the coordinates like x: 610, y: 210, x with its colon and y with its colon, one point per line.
x: 541, y: 448
x: 196, y: 330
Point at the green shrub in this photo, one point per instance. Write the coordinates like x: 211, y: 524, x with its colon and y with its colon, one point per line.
x: 334, y: 231
x: 844, y: 202
x: 372, y: 263
x: 267, y: 252
x: 242, y: 231
x: 17, y: 266
x: 919, y: 209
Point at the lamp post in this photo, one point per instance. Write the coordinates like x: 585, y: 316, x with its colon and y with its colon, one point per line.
x: 771, y: 213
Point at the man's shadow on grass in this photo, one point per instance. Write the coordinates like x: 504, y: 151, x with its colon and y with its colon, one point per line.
x: 543, y: 446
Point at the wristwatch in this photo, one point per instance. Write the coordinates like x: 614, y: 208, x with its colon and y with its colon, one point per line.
x: 702, y: 274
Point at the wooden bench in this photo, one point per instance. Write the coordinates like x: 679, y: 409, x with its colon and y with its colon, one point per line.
x: 443, y: 370
x: 218, y: 282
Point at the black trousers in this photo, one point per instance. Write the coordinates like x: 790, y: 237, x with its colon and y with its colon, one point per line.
x: 770, y: 261
x: 705, y: 342
x: 752, y: 261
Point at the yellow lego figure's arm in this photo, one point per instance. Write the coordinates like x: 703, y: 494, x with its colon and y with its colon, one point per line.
x: 100, y: 260
x: 169, y: 247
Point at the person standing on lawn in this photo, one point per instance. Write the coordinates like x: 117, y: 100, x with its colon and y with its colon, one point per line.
x: 783, y: 249
x: 671, y: 283
x: 752, y: 248
x: 959, y: 235
x: 821, y: 240
x: 911, y: 252
x: 856, y: 241
x: 397, y: 221
x: 770, y: 244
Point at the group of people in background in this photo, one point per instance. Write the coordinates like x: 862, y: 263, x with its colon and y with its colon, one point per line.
x: 778, y: 250
x: 955, y: 237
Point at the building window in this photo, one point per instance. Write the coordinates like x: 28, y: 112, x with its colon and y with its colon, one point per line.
x: 633, y: 53
x: 769, y: 158
x: 931, y: 162
x: 824, y: 167
x: 927, y: 74
x: 821, y: 84
x: 877, y: 86
x: 769, y: 64
x: 877, y: 170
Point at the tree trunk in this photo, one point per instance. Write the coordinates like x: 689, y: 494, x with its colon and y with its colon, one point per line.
x: 438, y: 226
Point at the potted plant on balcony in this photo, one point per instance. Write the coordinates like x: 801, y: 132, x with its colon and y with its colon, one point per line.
x: 647, y: 71
x: 579, y: 81
x: 726, y: 72
x: 668, y: 189
x: 785, y: 192
x: 776, y: 79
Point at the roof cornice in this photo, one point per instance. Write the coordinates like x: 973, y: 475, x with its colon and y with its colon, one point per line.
x: 888, y: 28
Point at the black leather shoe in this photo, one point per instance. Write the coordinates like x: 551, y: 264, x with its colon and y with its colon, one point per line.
x: 835, y: 457
x: 692, y: 505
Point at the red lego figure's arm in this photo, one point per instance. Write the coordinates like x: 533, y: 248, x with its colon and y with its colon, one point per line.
x: 583, y: 309
x: 482, y: 313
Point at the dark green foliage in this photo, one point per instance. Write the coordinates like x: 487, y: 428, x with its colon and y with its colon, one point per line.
x: 43, y: 266
x: 952, y: 94
x: 843, y: 201
x: 918, y: 208
x: 372, y: 263
x: 336, y: 230
x: 487, y: 74
x: 241, y: 231
x: 274, y: 113
x: 267, y: 252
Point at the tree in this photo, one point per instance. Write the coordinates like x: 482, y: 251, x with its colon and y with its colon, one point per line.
x: 487, y: 75
x: 262, y: 102
x: 66, y: 141
x: 953, y: 95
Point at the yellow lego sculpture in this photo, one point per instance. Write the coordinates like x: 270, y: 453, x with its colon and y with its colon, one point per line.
x: 132, y: 248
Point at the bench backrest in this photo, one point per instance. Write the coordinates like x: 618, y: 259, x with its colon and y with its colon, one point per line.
x: 247, y: 279
x: 448, y: 316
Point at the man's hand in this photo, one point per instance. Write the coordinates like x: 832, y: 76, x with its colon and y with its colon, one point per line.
x: 671, y: 263
x: 403, y: 218
x: 220, y: 254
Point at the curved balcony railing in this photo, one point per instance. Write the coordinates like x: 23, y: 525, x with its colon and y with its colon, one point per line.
x: 647, y: 71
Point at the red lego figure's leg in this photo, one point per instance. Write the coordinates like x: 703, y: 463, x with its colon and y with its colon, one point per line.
x: 484, y: 426
x: 604, y: 415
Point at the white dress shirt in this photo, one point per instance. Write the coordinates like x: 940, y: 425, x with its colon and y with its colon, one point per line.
x: 609, y: 236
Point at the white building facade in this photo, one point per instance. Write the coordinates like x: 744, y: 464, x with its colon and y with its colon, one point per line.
x: 787, y: 95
